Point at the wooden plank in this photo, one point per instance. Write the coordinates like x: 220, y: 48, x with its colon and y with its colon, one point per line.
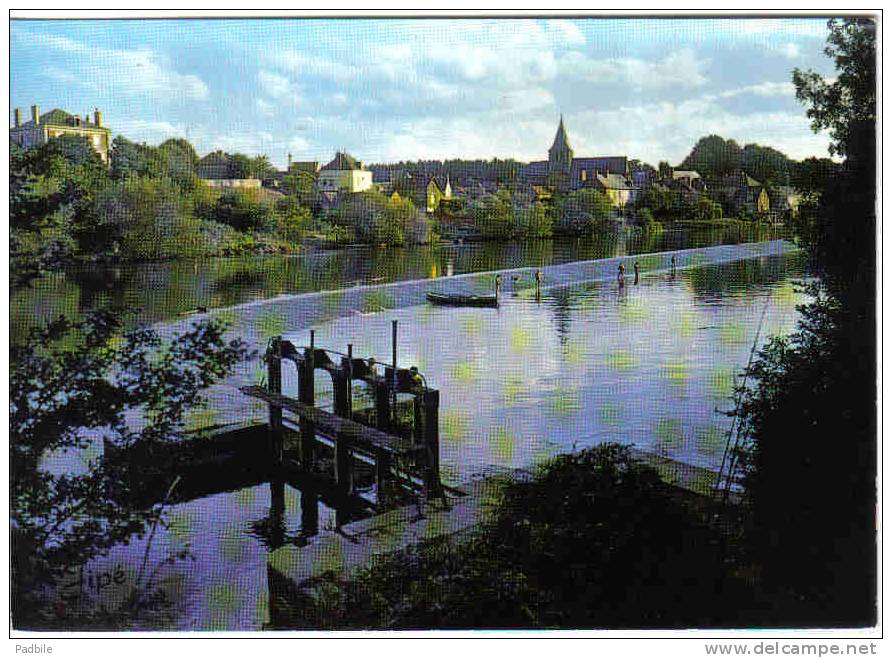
x: 334, y: 426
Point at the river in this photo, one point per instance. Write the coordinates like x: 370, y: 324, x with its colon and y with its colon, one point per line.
x: 652, y: 365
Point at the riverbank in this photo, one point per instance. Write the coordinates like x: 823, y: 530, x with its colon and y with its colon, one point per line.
x: 594, y: 539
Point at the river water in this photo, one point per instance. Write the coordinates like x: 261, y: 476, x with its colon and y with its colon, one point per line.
x: 651, y: 364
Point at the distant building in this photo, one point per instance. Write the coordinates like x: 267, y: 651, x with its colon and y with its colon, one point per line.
x: 616, y: 188
x: 217, y: 170
x: 738, y: 191
x: 784, y: 203
x: 234, y: 183
x: 438, y: 190
x: 55, y: 123
x: 564, y: 171
x: 308, y: 166
x: 344, y: 174
x: 690, y: 179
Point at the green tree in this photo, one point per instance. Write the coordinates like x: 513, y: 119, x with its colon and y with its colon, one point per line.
x: 293, y: 219
x: 767, y: 165
x: 178, y: 160
x: 493, y: 215
x: 376, y: 218
x: 243, y: 210
x: 810, y: 462
x: 301, y: 186
x: 849, y: 101
x: 131, y: 159
x: 713, y: 157
x: 534, y: 221
x: 73, y: 386
x: 583, y: 211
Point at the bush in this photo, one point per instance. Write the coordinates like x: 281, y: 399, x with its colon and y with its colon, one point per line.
x: 595, y: 540
x: 534, y: 221
x: 76, y: 385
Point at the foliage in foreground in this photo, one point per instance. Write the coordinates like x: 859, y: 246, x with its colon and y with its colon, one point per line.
x: 595, y: 540
x: 810, y: 464
x: 73, y: 386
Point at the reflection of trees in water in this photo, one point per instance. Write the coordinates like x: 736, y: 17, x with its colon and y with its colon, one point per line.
x: 161, y: 291
x: 561, y: 305
x: 753, y: 275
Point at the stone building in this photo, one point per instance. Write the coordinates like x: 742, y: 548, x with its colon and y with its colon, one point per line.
x: 564, y: 171
x: 55, y: 123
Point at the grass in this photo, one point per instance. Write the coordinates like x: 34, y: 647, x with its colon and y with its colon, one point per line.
x: 595, y: 540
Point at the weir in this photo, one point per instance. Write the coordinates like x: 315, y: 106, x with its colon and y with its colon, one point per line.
x: 390, y: 433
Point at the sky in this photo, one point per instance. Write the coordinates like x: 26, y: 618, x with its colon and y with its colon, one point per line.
x: 390, y: 90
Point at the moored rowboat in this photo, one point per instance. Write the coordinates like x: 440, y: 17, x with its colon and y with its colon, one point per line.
x: 462, y: 300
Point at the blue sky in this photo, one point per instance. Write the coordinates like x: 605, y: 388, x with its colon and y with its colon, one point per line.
x: 387, y: 90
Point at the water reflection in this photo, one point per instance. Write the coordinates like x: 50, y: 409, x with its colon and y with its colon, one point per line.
x: 588, y: 361
x: 165, y: 290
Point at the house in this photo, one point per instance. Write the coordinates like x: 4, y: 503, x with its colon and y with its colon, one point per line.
x: 219, y: 171
x: 739, y: 192
x: 617, y: 188
x: 564, y: 171
x: 308, y: 166
x: 344, y: 175
x: 784, y: 203
x: 437, y: 190
x: 55, y: 123
x: 691, y: 180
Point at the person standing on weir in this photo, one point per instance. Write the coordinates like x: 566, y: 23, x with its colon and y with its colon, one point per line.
x: 637, y: 272
x: 498, y: 284
x: 538, y: 282
x: 673, y: 263
x: 621, y: 274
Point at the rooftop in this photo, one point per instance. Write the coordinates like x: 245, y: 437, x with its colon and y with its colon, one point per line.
x: 57, y: 117
x: 343, y: 162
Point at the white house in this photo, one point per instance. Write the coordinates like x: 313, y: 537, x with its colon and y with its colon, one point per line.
x: 344, y: 174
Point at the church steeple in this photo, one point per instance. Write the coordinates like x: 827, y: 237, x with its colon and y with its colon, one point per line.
x: 561, y: 143
x: 560, y: 155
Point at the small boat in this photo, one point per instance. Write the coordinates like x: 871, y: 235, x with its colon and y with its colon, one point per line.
x: 462, y: 300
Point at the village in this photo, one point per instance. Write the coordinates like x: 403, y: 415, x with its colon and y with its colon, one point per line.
x: 458, y: 199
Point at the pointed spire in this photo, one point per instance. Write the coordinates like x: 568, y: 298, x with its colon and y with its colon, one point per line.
x: 560, y: 139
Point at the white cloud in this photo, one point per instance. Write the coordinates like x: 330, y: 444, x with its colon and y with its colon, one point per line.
x: 566, y: 32
x: 667, y: 131
x: 117, y: 72
x: 762, y: 89
x: 273, y: 84
x: 264, y: 107
x: 790, y: 50
x: 678, y: 69
x: 303, y: 64
x: 149, y: 131
x: 298, y: 145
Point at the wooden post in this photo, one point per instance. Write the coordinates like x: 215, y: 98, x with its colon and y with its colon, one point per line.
x: 382, y: 404
x: 350, y: 380
x: 309, y: 511
x: 277, y: 512
x: 382, y: 473
x: 307, y: 395
x: 431, y: 403
x: 343, y: 475
x: 393, y: 406
x: 274, y: 378
x: 418, y: 424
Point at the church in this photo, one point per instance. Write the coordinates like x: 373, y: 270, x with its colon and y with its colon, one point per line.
x: 565, y: 172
